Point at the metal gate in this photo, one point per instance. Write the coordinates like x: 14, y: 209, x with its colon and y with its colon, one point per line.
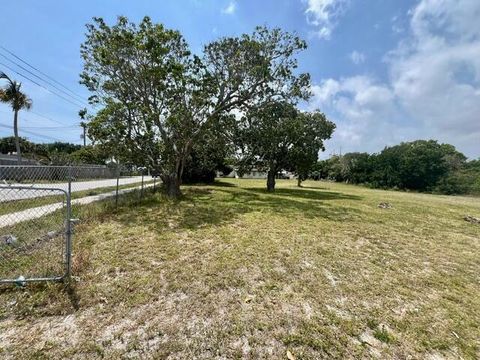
x: 36, y: 214
x: 35, y: 234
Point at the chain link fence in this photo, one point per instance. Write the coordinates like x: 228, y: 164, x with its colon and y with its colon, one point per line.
x: 38, y: 205
x: 33, y: 241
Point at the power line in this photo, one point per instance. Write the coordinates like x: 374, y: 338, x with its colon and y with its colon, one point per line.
x: 41, y: 79
x: 47, y: 118
x: 41, y: 72
x: 42, y: 116
x: 50, y: 127
x: 40, y: 85
x: 34, y: 133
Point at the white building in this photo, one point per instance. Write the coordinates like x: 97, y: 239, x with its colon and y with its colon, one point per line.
x: 256, y: 174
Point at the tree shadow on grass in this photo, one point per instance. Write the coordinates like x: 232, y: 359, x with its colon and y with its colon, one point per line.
x: 216, y: 183
x: 294, y: 202
x: 200, y: 208
x: 218, y: 205
x: 223, y: 184
x: 310, y: 195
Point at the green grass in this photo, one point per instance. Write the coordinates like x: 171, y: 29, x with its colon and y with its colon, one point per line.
x: 233, y: 271
x: 40, y: 243
x: 383, y: 335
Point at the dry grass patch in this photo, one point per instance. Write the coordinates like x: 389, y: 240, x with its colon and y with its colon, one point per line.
x: 234, y: 272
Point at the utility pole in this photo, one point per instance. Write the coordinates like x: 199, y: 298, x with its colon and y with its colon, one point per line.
x: 83, y: 114
x: 84, y: 136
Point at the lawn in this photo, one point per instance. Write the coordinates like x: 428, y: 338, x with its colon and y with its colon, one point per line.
x: 231, y: 271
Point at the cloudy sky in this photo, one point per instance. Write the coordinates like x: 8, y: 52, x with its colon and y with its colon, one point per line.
x: 384, y: 71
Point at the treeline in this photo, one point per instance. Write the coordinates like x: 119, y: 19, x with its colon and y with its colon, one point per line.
x: 422, y: 165
x: 56, y: 153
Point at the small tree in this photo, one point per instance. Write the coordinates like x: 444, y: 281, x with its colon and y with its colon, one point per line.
x: 312, y: 130
x: 277, y: 136
x: 18, y: 100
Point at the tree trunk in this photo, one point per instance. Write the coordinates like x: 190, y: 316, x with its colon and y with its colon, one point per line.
x: 172, y: 186
x: 17, y: 139
x: 271, y: 179
x: 299, y: 181
x: 172, y: 181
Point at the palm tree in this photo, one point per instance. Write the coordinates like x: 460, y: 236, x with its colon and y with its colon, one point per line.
x: 12, y: 95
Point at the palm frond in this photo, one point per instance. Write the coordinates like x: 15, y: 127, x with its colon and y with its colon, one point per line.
x: 5, y: 76
x: 3, y: 96
x: 27, y: 103
x: 12, y: 95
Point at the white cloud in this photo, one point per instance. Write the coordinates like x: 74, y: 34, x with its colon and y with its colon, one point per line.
x: 323, y: 14
x: 230, y: 8
x: 397, y: 26
x: 357, y: 57
x: 354, y: 104
x: 436, y: 77
x: 433, y: 90
x: 357, y: 97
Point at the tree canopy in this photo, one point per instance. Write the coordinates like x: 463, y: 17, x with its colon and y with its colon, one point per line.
x: 278, y: 136
x: 422, y: 165
x: 158, y: 98
x: 12, y: 95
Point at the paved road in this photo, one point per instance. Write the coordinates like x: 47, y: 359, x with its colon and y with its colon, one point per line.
x: 39, y: 211
x: 9, y: 194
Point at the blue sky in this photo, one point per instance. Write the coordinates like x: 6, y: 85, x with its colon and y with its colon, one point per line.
x: 384, y: 71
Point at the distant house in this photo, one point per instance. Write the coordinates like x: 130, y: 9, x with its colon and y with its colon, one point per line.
x: 11, y: 159
x: 257, y: 174
x: 252, y: 174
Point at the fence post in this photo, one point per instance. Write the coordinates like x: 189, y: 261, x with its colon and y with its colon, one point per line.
x: 143, y: 172
x: 116, y: 189
x: 68, y: 250
x: 154, y: 181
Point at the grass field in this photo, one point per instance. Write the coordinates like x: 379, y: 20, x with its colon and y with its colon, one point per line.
x: 234, y: 272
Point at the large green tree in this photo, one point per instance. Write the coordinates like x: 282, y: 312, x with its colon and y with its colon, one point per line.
x: 18, y: 100
x: 276, y: 136
x: 158, y: 98
x: 417, y: 165
x: 423, y: 165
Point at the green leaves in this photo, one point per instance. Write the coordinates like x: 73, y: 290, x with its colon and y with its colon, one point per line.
x: 278, y: 136
x: 12, y: 95
x: 160, y: 100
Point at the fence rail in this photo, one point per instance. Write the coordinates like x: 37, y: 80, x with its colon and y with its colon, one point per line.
x: 53, y: 173
x: 37, y: 206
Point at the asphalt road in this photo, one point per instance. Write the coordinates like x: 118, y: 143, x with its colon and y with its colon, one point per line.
x: 9, y: 193
x: 37, y: 212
